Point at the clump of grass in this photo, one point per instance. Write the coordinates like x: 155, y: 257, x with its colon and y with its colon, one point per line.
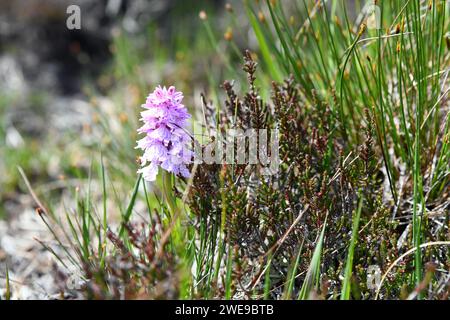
x: 396, y: 69
x: 127, y: 261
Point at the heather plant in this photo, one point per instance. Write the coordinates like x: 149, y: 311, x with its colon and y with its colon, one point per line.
x: 265, y: 223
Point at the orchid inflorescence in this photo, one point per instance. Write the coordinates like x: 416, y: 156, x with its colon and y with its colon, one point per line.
x: 166, y: 142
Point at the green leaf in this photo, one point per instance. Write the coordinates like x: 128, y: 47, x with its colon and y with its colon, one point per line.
x: 313, y: 274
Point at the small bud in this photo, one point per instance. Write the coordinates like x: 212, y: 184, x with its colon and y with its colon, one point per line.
x: 292, y: 20
x: 362, y: 29
x: 123, y: 117
x: 202, y: 15
x: 261, y: 17
x: 446, y: 138
x: 337, y: 21
x: 223, y: 172
x: 228, y: 35
x: 346, y: 74
x: 40, y: 211
x: 398, y: 46
x: 87, y: 128
x: 430, y: 267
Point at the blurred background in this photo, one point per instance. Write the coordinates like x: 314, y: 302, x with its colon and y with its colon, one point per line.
x: 69, y: 96
x: 52, y: 78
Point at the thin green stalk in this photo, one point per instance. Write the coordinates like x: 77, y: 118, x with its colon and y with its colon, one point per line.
x: 263, y: 46
x: 313, y: 274
x: 267, y: 280
x: 418, y: 196
x: 8, y: 286
x: 105, y: 220
x: 127, y: 215
x: 229, y: 274
x: 346, y: 285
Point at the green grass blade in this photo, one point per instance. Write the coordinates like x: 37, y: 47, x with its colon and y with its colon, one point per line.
x: 267, y: 280
x: 292, y: 275
x: 228, y: 278
x: 270, y: 63
x: 345, y: 294
x: 105, y: 223
x: 129, y: 210
x: 313, y: 273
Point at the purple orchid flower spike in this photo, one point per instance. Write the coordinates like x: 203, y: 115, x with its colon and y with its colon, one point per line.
x: 166, y: 142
